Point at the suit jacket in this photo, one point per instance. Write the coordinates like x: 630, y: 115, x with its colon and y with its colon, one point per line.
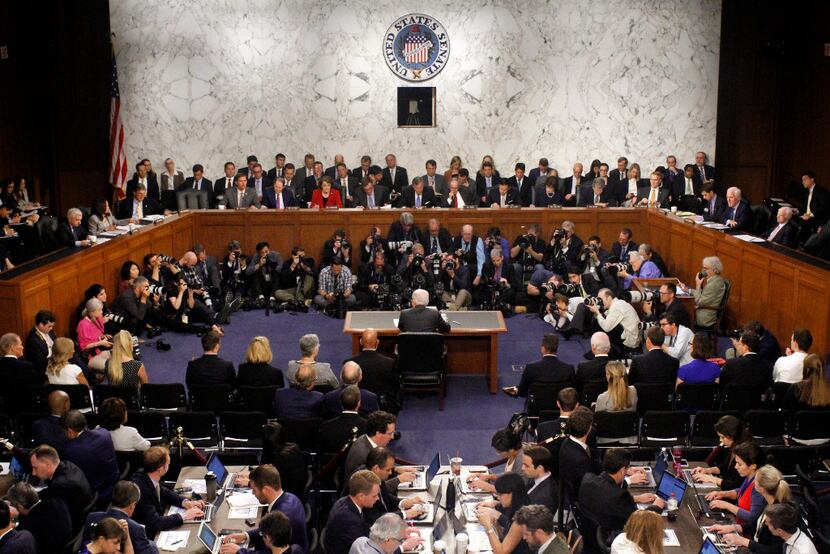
x: 514, y: 183
x: 743, y: 216
x: 749, y: 369
x: 574, y: 463
x: 36, y: 350
x: 345, y: 525
x: 138, y: 535
x: 249, y: 198
x: 467, y: 194
x: 604, y: 502
x: 357, y: 173
x: 401, y: 179
x: 70, y: 485
x: 543, y: 200
x: 297, y: 186
x: 153, y: 190
x: 259, y: 375
x: 381, y: 197
x: 332, y: 406
x: 128, y: 304
x: 678, y: 187
x: 149, y: 206
x: 18, y: 542
x: 421, y: 319
x: 716, y: 213
x: 291, y: 506
x: 210, y: 370
x: 605, y: 197
x: 151, y: 506
x: 16, y: 373
x: 787, y: 236
x: 591, y: 371
x: 94, y: 453
x: 819, y: 205
x: 49, y: 431
x: 50, y: 522
x: 66, y: 235
x: 441, y: 185
x: 356, y: 458
x: 568, y: 188
x: 352, y: 185
x: 272, y: 173
x: 710, y: 295
x: 165, y: 185
x: 617, y: 250
x: 444, y: 240
x: 511, y: 198
x: 379, y: 375
x: 428, y: 198
x: 662, y: 196
x: 293, y: 404
x: 655, y: 366
x: 333, y: 199
x: 332, y: 172
x: 206, y: 186
x: 337, y: 431
x: 710, y: 174
x: 269, y: 198
x: 545, y: 493
x: 550, y: 369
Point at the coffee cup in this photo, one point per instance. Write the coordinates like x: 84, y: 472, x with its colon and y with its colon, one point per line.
x: 455, y: 465
x: 461, y: 542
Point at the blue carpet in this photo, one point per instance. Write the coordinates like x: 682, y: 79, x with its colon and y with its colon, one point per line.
x: 471, y: 414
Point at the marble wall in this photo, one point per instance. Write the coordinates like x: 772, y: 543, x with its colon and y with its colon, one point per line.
x: 205, y: 81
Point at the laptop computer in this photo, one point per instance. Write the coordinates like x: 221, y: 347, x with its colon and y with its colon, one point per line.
x: 709, y: 547
x: 424, y: 476
x: 655, y: 473
x: 669, y: 484
x: 209, y: 538
x: 223, y: 477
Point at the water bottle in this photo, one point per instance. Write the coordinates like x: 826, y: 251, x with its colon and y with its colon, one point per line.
x: 210, y: 487
x: 671, y: 507
x: 677, y: 456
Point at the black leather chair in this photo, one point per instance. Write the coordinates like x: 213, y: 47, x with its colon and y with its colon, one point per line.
x: 693, y: 397
x: 213, y: 398
x: 613, y: 427
x: 163, y: 396
x: 242, y: 430
x: 422, y: 364
x: 768, y: 427
x: 256, y: 399
x: 543, y: 396
x: 129, y: 395
x: 664, y: 428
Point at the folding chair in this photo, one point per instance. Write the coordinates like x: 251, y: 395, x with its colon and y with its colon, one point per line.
x: 163, y: 396
x: 241, y: 430
x: 613, y: 428
x: 769, y: 427
x: 210, y: 398
x: 664, y: 428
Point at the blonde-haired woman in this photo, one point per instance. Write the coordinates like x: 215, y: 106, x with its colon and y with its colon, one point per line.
x: 257, y: 370
x: 756, y: 535
x: 642, y: 534
x: 811, y: 393
x: 455, y: 167
x: 634, y: 182
x: 620, y: 396
x: 122, y: 368
x: 58, y: 369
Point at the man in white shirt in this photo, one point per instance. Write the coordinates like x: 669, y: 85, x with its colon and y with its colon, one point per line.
x: 782, y: 521
x: 620, y: 320
x: 790, y: 368
x: 678, y: 339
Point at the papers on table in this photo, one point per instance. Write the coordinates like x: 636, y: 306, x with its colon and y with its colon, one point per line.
x: 243, y: 500
x: 172, y: 540
x: 478, y: 538
x: 243, y: 512
x: 395, y: 321
x: 100, y: 240
x: 714, y: 225
x: 749, y: 238
x: 153, y: 217
x: 196, y: 485
x: 670, y: 538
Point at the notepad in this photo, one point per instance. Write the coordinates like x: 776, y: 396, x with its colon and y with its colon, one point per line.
x: 196, y: 485
x: 670, y: 538
x: 172, y: 540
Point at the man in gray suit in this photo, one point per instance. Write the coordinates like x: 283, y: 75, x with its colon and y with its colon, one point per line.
x: 434, y: 180
x: 420, y: 319
x: 241, y: 198
x: 380, y: 428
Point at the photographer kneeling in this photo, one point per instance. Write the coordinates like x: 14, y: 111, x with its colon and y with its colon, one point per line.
x: 574, y: 310
x: 335, y: 288
x: 181, y: 311
x: 296, y: 278
x: 414, y: 269
x: 499, y: 286
x: 263, y: 271
x: 455, y: 284
x: 527, y: 252
x: 374, y: 281
x: 619, y: 321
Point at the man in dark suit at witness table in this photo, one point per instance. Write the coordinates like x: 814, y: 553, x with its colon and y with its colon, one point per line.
x: 419, y: 318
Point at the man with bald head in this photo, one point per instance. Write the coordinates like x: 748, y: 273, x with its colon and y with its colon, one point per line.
x: 350, y: 374
x: 420, y: 319
x: 379, y: 375
x: 784, y: 231
x: 300, y: 401
x: 49, y: 430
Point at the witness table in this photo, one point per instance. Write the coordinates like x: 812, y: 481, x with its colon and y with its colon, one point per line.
x: 472, y: 343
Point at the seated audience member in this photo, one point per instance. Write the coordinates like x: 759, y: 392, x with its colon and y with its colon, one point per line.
x: 593, y: 370
x: 537, y: 530
x: 156, y: 499
x: 125, y: 497
x: 309, y: 350
x: 815, y: 202
x: 39, y: 341
x: 655, y: 366
x: 345, y: 427
x: 381, y: 462
x: 122, y: 368
x: 379, y: 374
x: 334, y: 280
x: 575, y: 459
x: 642, y: 534
x: 700, y: 370
x: 350, y: 374
x: 380, y: 428
x: 708, y: 292
x: 747, y: 503
x: 256, y: 370
x: 15, y: 372
x: 113, y: 414
x: 49, y: 429
x: 650, y: 255
x: 47, y: 520
x: 64, y: 480
x: 640, y: 269
x: 604, y: 497
x: 620, y: 397
x: 504, y: 534
x: 135, y: 304
x: 789, y: 368
x: 768, y: 347
x: 782, y: 520
x: 769, y: 484
x: 58, y: 370
x: 784, y: 231
x: 508, y: 445
x: 139, y: 206
x: 266, y: 485
x: 109, y: 536
x: 550, y: 369
x: 92, y: 451
x: 242, y: 197
x: 326, y: 196
x: 721, y: 471
x: 12, y: 540
x: 567, y: 402
x: 286, y: 456
x: 300, y: 400
x: 737, y: 214
x: 93, y: 339
x: 811, y: 393
x: 346, y: 522
x: 420, y: 319
x: 620, y: 320
x: 677, y: 342
x: 387, y: 536
x: 210, y: 369
x: 71, y: 233
x: 542, y: 488
x: 748, y: 368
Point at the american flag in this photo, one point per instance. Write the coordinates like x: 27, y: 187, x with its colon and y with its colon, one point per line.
x: 416, y: 49
x: 118, y: 159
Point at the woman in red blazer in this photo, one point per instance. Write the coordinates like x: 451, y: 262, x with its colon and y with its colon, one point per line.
x: 325, y: 197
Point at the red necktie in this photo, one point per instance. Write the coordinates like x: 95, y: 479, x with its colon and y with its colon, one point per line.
x: 455, y: 201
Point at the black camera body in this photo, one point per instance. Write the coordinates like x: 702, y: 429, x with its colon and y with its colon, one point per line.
x: 593, y: 301
x: 568, y: 289
x: 559, y: 234
x: 417, y: 259
x: 525, y: 241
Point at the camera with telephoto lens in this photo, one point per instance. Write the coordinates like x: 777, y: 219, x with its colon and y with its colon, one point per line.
x: 116, y: 318
x: 165, y: 259
x: 643, y: 325
x: 155, y: 289
x: 525, y: 241
x: 383, y: 294
x: 593, y: 301
x: 615, y: 267
x: 438, y: 295
x: 568, y: 289
x: 337, y: 307
x: 547, y: 287
x: 491, y: 242
x: 419, y: 281
x: 635, y: 296
x: 494, y: 297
